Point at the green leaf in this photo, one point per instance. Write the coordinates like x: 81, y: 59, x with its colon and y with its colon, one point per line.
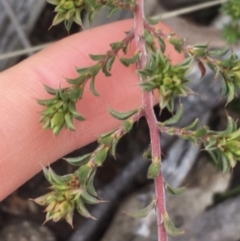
x: 215, y: 156
x: 174, y: 190
x: 122, y: 115
x: 78, y: 161
x: 77, y: 18
x: 153, y: 21
x: 73, y: 111
x: 162, y: 44
x: 176, y: 118
x: 177, y: 43
x: 82, y: 209
x: 68, y: 24
x: 111, y: 11
x: 230, y: 127
x: 148, y: 86
x: 192, y: 125
x: 50, y: 90
x: 113, y: 148
x: 100, y: 155
x: 116, y: 45
x: 52, y: 177
x: 127, y: 61
x: 143, y: 212
x: 90, y: 15
x: 169, y: 226
x: 76, y: 94
x: 84, y: 172
x: 70, y: 14
x: 89, y: 199
x: 92, y: 87
x: 231, y: 92
x: 97, y: 57
x: 127, y: 125
x: 56, y: 130
x: 69, y: 121
x: 154, y: 169
x: 53, y: 2
x: 89, y: 186
x: 59, y: 17
x: 231, y: 160
x: 106, y: 139
x: 219, y: 52
x: 47, y: 102
x: 201, y: 132
x: 234, y: 135
x: 77, y: 81
x: 226, y: 167
x: 57, y: 119
x: 110, y: 63
x: 147, y: 154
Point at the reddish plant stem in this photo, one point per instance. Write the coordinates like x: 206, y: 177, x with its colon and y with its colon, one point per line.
x: 147, y: 101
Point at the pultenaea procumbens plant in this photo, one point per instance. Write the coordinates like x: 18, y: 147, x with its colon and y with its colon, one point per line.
x: 155, y: 73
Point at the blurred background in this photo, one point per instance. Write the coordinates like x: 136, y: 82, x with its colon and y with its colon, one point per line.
x: 209, y: 209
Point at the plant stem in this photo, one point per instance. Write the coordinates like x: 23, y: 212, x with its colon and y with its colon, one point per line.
x: 147, y: 101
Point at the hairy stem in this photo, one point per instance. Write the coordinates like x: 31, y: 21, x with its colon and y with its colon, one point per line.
x: 147, y: 99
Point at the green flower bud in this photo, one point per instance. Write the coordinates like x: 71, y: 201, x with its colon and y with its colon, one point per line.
x: 154, y: 168
x: 69, y: 5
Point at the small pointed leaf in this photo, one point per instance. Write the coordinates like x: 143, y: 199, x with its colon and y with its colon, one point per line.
x: 192, y: 125
x: 176, y: 118
x: 174, y: 190
x: 154, y: 169
x: 89, y: 198
x: 143, y: 212
x: 89, y: 186
x: 82, y: 209
x: 122, y: 115
x: 92, y: 87
x: 219, y: 53
x: 78, y: 161
x: 169, y: 226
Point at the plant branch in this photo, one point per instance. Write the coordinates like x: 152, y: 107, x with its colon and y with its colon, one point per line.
x: 147, y: 99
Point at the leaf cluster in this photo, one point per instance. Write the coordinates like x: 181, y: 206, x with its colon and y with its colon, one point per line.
x: 60, y: 111
x: 169, y: 79
x: 231, y: 31
x: 68, y: 193
x: 73, y: 191
x: 69, y: 11
x: 223, y: 146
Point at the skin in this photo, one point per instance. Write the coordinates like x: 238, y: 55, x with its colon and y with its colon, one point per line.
x: 24, y: 145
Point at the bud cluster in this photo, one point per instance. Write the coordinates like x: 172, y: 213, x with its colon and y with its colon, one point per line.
x: 228, y: 68
x: 68, y: 193
x: 60, y: 111
x: 169, y: 79
x: 223, y: 146
x: 72, y: 191
x: 69, y: 11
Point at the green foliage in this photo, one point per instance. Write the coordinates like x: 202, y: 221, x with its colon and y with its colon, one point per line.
x: 174, y: 190
x: 67, y: 194
x: 69, y: 11
x: 156, y: 73
x: 61, y: 110
x: 143, y: 212
x: 169, y: 79
x: 169, y: 226
x: 231, y: 31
